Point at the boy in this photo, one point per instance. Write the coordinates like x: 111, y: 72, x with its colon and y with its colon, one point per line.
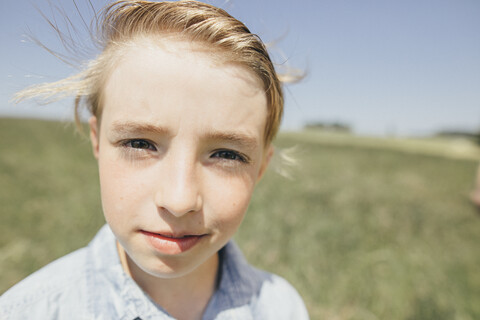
x: 185, y: 103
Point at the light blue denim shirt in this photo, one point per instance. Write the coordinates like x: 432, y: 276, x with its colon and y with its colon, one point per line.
x: 90, y: 283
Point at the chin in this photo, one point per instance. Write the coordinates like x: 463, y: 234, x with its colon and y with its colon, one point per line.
x: 169, y: 267
x: 168, y: 271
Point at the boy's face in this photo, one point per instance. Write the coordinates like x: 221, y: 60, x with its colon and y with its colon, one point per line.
x: 180, y: 149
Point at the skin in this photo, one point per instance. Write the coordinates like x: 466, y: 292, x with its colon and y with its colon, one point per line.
x: 180, y: 148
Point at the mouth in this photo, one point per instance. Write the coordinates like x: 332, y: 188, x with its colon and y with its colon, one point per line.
x: 172, y: 244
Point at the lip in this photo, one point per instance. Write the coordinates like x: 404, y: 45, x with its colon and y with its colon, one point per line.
x: 170, y: 244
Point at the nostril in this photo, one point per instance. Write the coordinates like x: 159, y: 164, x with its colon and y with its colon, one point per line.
x: 178, y: 204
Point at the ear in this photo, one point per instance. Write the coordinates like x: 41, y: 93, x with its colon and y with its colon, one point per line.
x: 94, y: 135
x: 265, y: 161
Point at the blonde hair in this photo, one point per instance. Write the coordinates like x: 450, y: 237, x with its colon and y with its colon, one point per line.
x: 124, y: 21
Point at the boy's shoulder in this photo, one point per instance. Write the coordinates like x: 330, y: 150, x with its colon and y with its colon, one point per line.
x: 35, y: 296
x: 249, y: 293
x: 278, y: 299
x: 58, y: 290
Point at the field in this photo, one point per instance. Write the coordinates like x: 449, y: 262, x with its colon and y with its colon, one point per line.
x: 364, y: 228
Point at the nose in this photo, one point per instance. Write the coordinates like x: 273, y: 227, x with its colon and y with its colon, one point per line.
x: 178, y: 189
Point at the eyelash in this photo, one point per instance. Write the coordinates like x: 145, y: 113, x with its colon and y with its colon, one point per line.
x: 129, y: 145
x: 224, y: 154
x: 230, y: 155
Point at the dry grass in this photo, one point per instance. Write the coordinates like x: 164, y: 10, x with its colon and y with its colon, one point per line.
x: 365, y: 229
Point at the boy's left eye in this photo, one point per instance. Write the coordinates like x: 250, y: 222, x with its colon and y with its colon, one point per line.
x: 229, y: 155
x: 139, y: 144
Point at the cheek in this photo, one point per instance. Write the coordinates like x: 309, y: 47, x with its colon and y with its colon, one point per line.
x: 227, y: 201
x: 121, y: 191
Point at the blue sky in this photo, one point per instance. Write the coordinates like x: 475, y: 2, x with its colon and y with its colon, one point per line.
x: 408, y: 67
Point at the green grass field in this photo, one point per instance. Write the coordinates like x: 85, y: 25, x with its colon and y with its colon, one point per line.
x: 364, y: 229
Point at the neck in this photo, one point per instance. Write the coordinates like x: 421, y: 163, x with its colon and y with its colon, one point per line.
x: 193, y: 289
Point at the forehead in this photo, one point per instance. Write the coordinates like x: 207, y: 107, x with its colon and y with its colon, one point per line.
x: 181, y: 84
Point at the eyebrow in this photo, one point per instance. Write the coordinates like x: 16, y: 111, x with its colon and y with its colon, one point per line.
x: 237, y: 138
x: 127, y: 127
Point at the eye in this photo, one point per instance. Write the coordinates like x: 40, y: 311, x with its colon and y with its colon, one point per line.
x: 229, y: 155
x: 139, y: 144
